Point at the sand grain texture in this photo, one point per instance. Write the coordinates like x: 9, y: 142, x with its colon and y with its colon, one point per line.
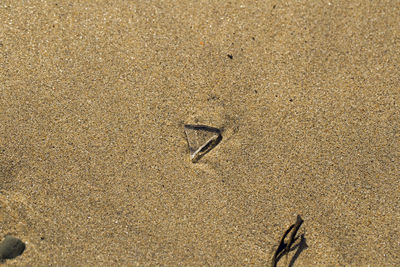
x: 94, y: 166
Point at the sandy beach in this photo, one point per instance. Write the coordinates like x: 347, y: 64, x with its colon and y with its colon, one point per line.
x: 94, y: 162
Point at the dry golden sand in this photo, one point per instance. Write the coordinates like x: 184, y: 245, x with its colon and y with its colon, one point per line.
x: 94, y: 164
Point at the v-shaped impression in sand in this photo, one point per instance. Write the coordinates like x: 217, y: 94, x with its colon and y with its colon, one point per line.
x: 201, y: 139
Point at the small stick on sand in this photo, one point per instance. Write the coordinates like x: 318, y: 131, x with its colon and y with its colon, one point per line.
x: 283, y: 247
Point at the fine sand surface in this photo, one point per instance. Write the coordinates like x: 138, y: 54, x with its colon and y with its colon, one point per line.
x: 94, y: 164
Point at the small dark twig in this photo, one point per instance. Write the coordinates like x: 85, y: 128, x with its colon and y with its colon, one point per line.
x: 283, y: 247
x: 302, y: 245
